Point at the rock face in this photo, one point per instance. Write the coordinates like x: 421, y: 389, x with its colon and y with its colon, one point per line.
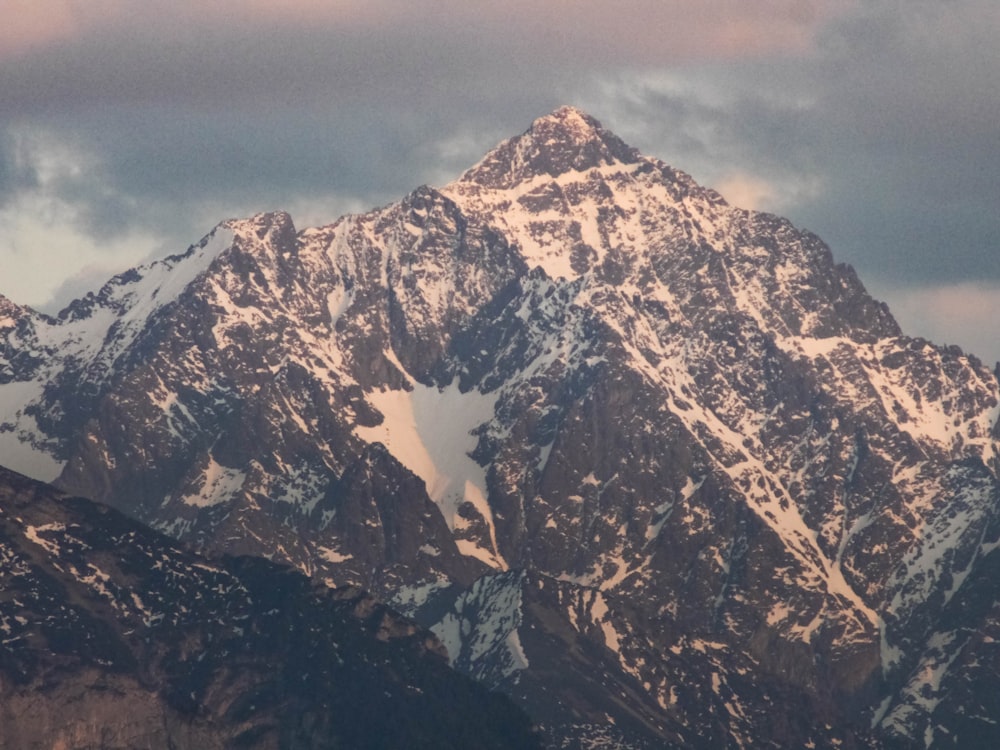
x: 651, y: 463
x: 114, y: 637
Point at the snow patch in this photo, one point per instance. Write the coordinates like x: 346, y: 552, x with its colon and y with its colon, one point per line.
x: 19, y: 433
x: 409, y: 599
x: 599, y: 615
x: 332, y: 555
x: 32, y: 533
x: 218, y: 484
x: 481, y: 631
x: 429, y: 431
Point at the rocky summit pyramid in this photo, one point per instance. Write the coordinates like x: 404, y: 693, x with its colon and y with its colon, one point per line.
x: 654, y: 465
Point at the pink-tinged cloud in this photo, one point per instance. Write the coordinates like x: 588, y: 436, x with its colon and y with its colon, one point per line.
x: 32, y: 23
x: 963, y: 313
x: 636, y: 31
x: 629, y: 32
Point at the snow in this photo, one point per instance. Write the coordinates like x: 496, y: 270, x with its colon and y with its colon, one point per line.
x: 926, y: 408
x: 86, y: 341
x: 141, y: 606
x: 177, y: 416
x: 662, y: 511
x: 338, y: 301
x: 98, y: 580
x: 449, y: 632
x: 483, y: 626
x: 32, y: 533
x: 516, y: 650
x: 409, y: 599
x: 545, y: 235
x: 159, y: 284
x: 543, y: 455
x: 429, y: 430
x: 19, y: 433
x: 921, y: 695
x: 599, y: 615
x: 218, y: 484
x: 766, y: 493
x: 957, y: 521
x: 332, y: 555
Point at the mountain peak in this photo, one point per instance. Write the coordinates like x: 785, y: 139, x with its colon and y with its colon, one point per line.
x: 565, y: 140
x: 568, y: 123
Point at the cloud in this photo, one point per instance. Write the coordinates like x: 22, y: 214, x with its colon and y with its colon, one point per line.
x: 17, y: 173
x: 909, y: 113
x: 747, y: 191
x: 30, y: 24
x: 210, y: 55
x: 640, y: 32
x: 43, y: 252
x: 960, y: 314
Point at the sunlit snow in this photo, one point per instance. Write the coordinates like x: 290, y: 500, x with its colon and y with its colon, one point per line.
x: 430, y: 432
x: 218, y: 484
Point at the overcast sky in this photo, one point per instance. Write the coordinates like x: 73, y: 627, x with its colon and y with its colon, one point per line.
x: 130, y: 128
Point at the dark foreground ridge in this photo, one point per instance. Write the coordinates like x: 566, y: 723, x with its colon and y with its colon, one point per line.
x: 114, y: 637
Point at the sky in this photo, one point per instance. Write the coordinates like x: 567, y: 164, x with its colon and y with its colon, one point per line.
x: 130, y: 128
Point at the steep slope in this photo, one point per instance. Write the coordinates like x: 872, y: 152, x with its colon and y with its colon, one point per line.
x: 577, y: 413
x: 114, y: 637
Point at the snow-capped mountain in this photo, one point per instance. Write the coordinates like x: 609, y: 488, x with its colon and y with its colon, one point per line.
x: 115, y: 637
x: 651, y: 463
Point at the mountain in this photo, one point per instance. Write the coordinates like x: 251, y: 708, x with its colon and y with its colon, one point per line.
x: 115, y: 637
x: 652, y: 464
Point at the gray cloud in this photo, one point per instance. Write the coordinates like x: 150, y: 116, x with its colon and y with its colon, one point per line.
x: 16, y: 171
x: 235, y: 117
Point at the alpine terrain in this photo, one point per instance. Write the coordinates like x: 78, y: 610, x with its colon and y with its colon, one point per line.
x: 653, y: 465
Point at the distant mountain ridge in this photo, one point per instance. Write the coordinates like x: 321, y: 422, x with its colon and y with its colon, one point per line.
x: 651, y: 463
